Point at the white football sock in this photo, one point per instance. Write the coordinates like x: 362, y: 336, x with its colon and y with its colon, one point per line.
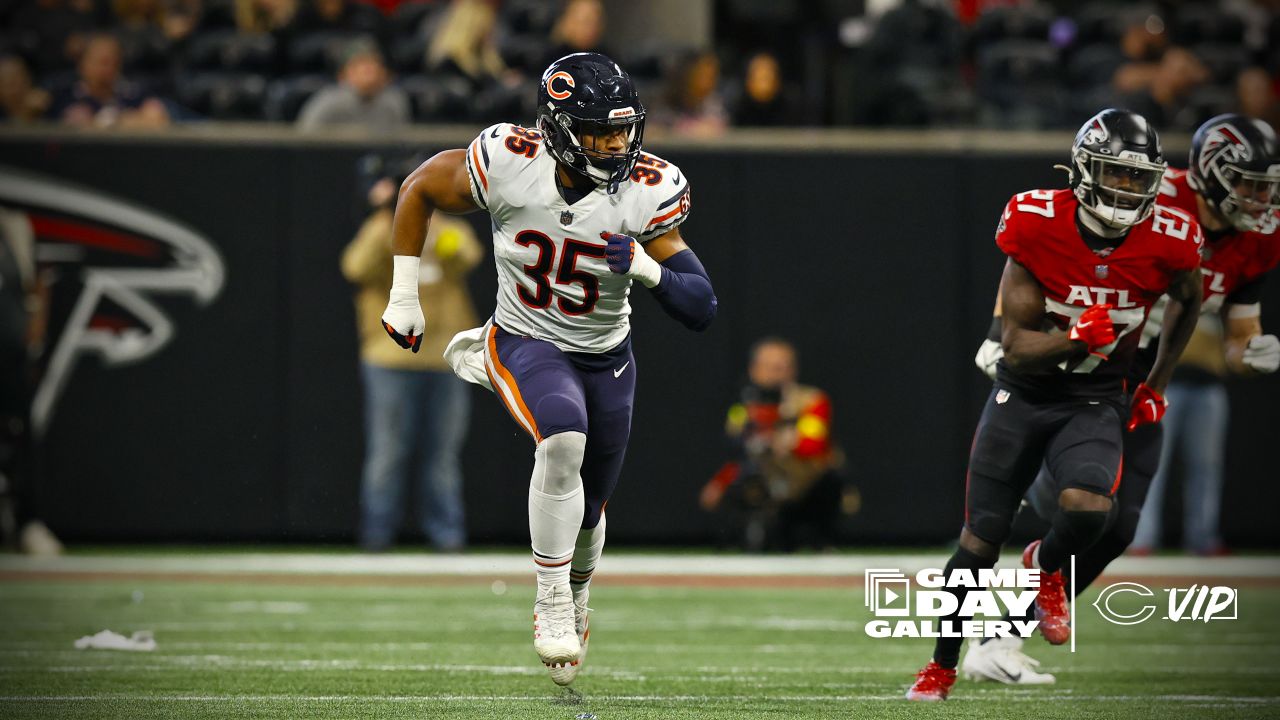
x: 556, y: 505
x: 585, y: 556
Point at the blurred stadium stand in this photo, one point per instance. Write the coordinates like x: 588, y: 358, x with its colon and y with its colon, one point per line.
x: 948, y: 63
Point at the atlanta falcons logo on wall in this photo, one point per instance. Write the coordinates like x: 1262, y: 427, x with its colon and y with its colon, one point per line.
x: 1222, y: 140
x: 105, y: 260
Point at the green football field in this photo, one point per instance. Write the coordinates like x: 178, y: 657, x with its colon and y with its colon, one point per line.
x: 381, y: 646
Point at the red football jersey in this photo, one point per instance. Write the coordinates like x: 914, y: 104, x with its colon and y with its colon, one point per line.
x: 1229, y: 261
x: 1038, y: 230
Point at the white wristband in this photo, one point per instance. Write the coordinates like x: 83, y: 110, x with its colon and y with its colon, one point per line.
x: 644, y: 268
x: 404, y: 276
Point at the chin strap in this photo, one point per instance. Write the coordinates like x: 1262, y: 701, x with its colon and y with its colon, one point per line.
x: 1095, y: 225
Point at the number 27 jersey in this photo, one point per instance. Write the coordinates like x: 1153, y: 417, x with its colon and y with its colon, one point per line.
x: 553, y: 281
x: 1038, y: 230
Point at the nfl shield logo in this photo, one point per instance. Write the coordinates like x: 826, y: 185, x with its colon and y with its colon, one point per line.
x: 1002, y: 397
x: 566, y: 217
x: 1102, y: 271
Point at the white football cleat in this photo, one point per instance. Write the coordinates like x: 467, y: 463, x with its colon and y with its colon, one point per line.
x: 554, y: 638
x: 565, y: 674
x: 1002, y: 660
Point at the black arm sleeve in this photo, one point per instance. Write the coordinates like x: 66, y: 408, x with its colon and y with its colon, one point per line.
x: 997, y: 327
x: 685, y: 291
x: 1249, y: 293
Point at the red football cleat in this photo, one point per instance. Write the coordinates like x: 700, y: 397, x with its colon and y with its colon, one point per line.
x: 1051, y: 601
x: 932, y: 684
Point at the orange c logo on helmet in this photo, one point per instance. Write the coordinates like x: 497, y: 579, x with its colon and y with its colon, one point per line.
x: 558, y: 94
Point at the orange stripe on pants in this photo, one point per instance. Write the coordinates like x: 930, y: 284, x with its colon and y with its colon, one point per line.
x: 521, y: 411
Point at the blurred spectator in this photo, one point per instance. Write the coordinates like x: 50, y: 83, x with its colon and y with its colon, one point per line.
x: 20, y: 101
x: 464, y: 45
x: 1256, y: 96
x: 578, y: 29
x: 147, y: 29
x: 1195, y: 429
x: 102, y: 97
x: 1163, y: 100
x: 783, y: 489
x: 51, y: 32
x: 761, y: 100
x: 363, y: 95
x: 414, y: 405
x: 693, y: 103
x: 258, y: 16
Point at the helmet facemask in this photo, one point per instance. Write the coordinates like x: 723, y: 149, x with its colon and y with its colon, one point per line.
x: 1251, y: 197
x: 566, y: 145
x: 1119, y: 191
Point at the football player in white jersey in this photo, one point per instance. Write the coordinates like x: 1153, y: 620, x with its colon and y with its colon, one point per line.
x: 578, y: 213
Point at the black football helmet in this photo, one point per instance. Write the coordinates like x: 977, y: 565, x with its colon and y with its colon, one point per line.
x: 1235, y: 166
x: 588, y: 94
x: 1116, y: 167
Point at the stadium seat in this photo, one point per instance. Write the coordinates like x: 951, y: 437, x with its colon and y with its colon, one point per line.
x: 1225, y: 61
x: 437, y: 98
x: 408, y: 54
x: 1007, y: 23
x: 917, y: 34
x: 1202, y: 23
x: 1019, y: 85
x: 285, y: 97
x: 1094, y: 65
x: 412, y: 18
x: 528, y: 17
x: 230, y: 51
x: 1105, y: 22
x: 223, y: 96
x: 524, y: 52
x: 1207, y: 101
x: 318, y: 52
x: 765, y: 12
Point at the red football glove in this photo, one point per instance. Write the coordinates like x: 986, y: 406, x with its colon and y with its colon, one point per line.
x: 1094, y: 329
x: 1147, y: 408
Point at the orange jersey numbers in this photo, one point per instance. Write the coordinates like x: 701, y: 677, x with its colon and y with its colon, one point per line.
x: 523, y: 142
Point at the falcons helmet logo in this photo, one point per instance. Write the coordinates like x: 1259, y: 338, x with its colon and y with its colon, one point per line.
x: 1222, y: 141
x: 106, y: 261
x: 1096, y: 134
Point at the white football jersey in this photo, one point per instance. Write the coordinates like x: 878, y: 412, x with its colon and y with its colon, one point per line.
x: 553, y: 282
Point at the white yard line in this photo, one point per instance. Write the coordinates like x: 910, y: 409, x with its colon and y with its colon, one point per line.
x: 502, y: 564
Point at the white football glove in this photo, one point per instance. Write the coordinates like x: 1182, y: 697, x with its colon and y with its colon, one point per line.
x: 989, y: 353
x: 403, y: 317
x: 1262, y: 354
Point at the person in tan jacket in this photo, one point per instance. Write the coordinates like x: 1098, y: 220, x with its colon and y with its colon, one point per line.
x: 416, y: 410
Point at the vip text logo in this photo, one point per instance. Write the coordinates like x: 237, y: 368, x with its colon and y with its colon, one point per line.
x: 1199, y: 602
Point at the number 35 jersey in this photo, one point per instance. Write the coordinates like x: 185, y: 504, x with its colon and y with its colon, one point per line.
x: 1038, y: 230
x: 553, y: 281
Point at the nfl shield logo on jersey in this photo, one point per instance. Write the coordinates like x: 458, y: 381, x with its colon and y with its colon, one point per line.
x: 1002, y: 397
x: 566, y: 217
x: 1102, y: 271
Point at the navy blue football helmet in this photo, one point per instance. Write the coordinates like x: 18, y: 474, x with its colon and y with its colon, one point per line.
x: 1235, y: 166
x: 1116, y: 167
x: 588, y: 94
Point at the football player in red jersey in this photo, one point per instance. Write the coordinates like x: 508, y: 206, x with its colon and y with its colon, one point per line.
x: 1232, y: 186
x: 1084, y: 267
